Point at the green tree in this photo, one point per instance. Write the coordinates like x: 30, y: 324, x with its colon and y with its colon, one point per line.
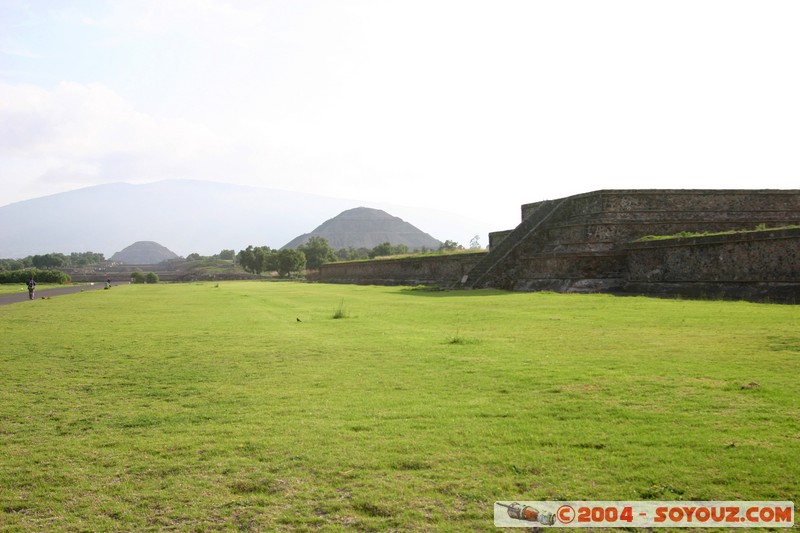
x: 245, y: 258
x: 399, y: 249
x: 81, y: 259
x: 448, y: 246
x: 290, y: 261
x: 382, y: 249
x: 193, y: 257
x: 11, y: 264
x: 228, y: 255
x: 49, y: 261
x: 350, y: 253
x: 271, y: 261
x: 258, y: 259
x: 151, y: 277
x: 317, y: 252
x: 386, y: 248
x: 137, y: 277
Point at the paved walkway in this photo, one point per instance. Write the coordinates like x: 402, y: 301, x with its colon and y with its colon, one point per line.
x: 22, y: 296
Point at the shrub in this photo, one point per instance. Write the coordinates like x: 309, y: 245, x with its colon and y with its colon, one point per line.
x: 137, y: 277
x: 151, y: 277
x: 40, y: 276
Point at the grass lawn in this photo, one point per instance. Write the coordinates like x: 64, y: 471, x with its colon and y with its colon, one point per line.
x: 11, y: 288
x: 209, y: 406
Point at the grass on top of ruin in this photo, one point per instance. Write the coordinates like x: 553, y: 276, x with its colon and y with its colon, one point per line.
x: 246, y: 405
x: 689, y: 234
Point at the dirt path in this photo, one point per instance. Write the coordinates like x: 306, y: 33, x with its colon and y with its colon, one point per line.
x: 22, y: 296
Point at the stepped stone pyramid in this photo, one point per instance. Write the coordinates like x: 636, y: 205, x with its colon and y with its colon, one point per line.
x: 364, y: 227
x: 143, y: 253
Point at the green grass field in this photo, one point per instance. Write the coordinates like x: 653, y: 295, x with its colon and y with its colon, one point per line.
x: 10, y: 288
x: 209, y: 406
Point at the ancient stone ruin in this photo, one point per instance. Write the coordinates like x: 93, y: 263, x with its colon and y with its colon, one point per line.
x: 588, y: 243
x: 722, y: 244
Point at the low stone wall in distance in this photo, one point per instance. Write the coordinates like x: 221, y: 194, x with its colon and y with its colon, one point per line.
x: 444, y: 270
x: 762, y: 265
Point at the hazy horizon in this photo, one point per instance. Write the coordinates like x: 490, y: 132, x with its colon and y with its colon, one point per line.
x: 210, y: 217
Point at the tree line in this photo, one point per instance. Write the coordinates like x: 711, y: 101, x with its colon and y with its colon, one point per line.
x: 316, y: 252
x: 260, y: 259
x: 53, y: 261
x: 254, y: 259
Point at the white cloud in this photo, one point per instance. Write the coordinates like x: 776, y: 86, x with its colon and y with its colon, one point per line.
x: 73, y: 131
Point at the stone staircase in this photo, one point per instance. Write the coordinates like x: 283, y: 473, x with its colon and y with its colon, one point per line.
x: 479, y: 275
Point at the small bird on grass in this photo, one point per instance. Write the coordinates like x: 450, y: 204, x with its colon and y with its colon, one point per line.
x: 299, y: 320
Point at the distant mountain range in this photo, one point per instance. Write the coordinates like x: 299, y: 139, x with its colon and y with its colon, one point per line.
x: 186, y: 216
x: 363, y: 227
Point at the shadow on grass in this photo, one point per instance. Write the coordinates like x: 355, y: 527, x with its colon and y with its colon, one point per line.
x: 438, y: 292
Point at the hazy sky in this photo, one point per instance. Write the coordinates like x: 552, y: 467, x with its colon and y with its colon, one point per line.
x: 472, y: 106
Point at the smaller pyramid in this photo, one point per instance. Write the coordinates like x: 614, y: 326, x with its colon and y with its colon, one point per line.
x: 144, y: 253
x: 364, y: 227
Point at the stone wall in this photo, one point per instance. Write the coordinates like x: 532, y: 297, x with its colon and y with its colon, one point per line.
x: 757, y: 265
x: 581, y: 248
x: 606, y: 220
x: 429, y: 270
